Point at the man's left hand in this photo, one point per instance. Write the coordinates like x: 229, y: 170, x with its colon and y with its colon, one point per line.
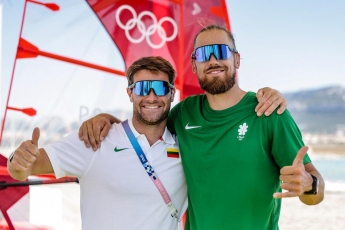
x: 295, y: 179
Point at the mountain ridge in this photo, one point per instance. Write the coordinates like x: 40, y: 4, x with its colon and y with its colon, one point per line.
x: 319, y: 110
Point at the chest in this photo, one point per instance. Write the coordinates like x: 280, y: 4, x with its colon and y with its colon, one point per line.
x: 229, y: 146
x: 118, y: 169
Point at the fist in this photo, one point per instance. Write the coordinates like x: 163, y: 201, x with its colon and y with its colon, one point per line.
x: 27, y: 153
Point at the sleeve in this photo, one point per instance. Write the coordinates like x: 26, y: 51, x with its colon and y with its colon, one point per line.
x: 286, y: 139
x: 69, y: 156
x: 172, y: 117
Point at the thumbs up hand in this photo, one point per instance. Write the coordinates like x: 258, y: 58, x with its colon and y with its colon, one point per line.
x: 294, y: 178
x: 26, y: 155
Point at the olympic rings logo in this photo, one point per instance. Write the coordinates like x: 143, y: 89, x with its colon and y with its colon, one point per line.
x: 146, y: 32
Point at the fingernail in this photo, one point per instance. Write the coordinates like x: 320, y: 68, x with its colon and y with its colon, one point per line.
x: 259, y: 114
x: 266, y: 114
x: 87, y: 146
x: 94, y: 148
x: 102, y: 138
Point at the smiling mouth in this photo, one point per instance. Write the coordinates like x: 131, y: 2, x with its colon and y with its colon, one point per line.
x: 151, y: 106
x: 215, y: 71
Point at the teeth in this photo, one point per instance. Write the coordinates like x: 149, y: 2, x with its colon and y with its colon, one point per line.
x: 215, y: 71
x: 151, y: 107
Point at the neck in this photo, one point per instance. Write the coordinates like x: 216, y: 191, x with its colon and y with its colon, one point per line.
x: 225, y: 100
x: 152, y: 132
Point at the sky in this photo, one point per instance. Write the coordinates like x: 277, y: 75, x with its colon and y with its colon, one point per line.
x: 288, y: 45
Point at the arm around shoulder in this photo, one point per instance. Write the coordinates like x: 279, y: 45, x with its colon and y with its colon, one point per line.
x: 94, y: 130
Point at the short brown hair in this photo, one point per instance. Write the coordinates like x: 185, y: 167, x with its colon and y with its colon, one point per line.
x: 153, y: 64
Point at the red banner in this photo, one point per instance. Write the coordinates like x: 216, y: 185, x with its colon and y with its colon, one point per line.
x: 9, y: 195
x: 197, y: 14
x: 165, y: 28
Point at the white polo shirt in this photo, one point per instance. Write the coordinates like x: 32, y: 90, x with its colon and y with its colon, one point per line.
x: 116, y: 192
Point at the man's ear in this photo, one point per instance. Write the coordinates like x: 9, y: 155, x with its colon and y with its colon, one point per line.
x: 130, y: 94
x: 193, y: 66
x: 172, y: 94
x: 237, y: 60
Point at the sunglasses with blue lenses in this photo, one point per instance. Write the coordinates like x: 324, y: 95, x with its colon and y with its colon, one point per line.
x: 220, y: 51
x: 143, y: 88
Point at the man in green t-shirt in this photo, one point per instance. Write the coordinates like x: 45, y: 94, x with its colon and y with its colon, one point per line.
x: 235, y: 162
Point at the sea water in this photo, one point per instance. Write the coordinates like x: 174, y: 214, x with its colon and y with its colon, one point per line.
x: 332, y: 169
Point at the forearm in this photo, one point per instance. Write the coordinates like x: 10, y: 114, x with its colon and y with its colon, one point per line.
x: 314, y: 199
x: 111, y: 118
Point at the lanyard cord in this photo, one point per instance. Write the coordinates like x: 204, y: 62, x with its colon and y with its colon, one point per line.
x: 148, y: 168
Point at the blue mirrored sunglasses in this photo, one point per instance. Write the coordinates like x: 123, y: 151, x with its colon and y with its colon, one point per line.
x: 220, y: 51
x: 143, y: 88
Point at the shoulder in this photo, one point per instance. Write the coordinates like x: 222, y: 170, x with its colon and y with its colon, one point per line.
x: 69, y: 144
x: 190, y: 101
x: 250, y: 97
x: 116, y: 132
x: 194, y: 98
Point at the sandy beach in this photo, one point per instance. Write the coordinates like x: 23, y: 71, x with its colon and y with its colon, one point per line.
x: 328, y: 215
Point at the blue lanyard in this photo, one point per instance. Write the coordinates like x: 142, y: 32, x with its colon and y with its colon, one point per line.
x: 148, y: 168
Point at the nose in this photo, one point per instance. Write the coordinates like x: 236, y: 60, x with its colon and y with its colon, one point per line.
x: 213, y: 58
x: 152, y: 96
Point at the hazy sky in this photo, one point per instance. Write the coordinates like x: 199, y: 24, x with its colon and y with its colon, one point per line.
x: 288, y: 45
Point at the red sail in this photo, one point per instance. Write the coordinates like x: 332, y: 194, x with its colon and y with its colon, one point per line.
x: 165, y: 28
x: 142, y: 28
x: 197, y: 14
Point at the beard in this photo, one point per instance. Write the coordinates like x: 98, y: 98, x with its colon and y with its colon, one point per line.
x: 217, y: 85
x: 151, y: 120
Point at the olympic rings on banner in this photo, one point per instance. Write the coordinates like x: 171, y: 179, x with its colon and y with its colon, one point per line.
x: 146, y: 32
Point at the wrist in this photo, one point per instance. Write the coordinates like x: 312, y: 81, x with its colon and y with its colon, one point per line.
x: 10, y: 158
x: 313, y: 189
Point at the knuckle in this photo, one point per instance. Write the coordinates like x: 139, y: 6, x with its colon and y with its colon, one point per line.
x: 297, y: 171
x: 276, y: 103
x: 269, y: 102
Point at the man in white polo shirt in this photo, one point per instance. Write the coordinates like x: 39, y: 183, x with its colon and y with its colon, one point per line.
x: 119, y: 188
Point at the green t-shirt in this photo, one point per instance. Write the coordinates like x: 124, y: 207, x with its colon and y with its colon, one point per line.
x: 231, y: 160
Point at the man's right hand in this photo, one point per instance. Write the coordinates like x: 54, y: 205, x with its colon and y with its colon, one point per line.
x: 24, y: 158
x: 94, y: 130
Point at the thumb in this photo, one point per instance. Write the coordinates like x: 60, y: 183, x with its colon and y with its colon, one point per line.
x: 300, y: 155
x: 35, y: 136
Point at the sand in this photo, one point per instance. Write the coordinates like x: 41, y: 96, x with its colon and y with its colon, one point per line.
x: 328, y: 215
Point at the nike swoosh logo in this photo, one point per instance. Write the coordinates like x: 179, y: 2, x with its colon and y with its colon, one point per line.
x: 118, y: 150
x: 191, y: 127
